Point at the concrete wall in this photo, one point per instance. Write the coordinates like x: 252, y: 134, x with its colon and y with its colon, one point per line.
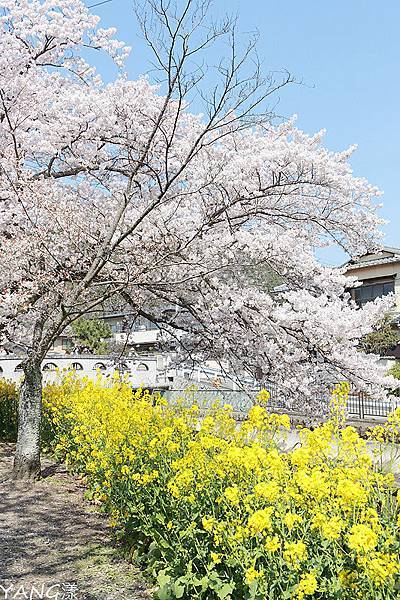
x: 141, y: 371
x: 387, y: 362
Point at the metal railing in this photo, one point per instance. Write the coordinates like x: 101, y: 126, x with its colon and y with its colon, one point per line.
x: 363, y: 406
x: 359, y: 404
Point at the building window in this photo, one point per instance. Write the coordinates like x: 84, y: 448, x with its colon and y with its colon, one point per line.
x: 76, y: 366
x: 99, y: 366
x: 371, y: 290
x: 18, y: 368
x: 49, y: 367
x: 143, y: 324
x: 66, y: 344
x: 122, y: 367
x: 142, y: 367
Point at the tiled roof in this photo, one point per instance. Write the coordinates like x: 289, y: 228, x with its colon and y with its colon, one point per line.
x: 370, y: 263
x: 357, y: 263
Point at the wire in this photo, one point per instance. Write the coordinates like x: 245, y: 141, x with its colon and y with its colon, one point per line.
x: 98, y: 3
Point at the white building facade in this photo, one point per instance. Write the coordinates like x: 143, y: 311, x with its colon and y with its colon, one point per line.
x: 140, y: 372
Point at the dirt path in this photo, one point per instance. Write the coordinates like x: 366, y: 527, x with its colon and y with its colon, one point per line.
x: 54, y: 541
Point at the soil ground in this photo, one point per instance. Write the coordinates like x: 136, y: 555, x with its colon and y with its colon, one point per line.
x: 54, y: 544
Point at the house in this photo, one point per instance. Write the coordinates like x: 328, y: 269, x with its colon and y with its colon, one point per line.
x: 63, y: 344
x: 379, y: 274
x: 137, y: 333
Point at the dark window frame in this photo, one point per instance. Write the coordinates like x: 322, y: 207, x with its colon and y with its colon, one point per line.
x: 371, y: 289
x: 49, y: 367
x: 76, y: 366
x: 66, y: 344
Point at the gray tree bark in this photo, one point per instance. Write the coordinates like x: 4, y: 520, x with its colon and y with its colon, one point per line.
x: 27, y: 455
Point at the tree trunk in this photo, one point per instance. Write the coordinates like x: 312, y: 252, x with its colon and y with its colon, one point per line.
x: 27, y: 455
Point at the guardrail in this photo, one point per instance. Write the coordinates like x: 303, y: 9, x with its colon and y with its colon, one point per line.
x: 359, y: 404
x: 363, y: 406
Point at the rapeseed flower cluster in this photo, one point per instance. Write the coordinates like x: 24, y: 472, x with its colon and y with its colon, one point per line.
x: 215, y: 510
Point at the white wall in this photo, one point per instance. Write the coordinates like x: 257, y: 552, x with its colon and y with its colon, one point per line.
x: 136, y: 375
x: 147, y: 336
x: 387, y: 362
x: 160, y: 372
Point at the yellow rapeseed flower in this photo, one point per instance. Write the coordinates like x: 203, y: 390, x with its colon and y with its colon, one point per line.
x: 272, y: 544
x: 290, y: 519
x: 252, y: 574
x: 362, y: 538
x: 267, y: 490
x: 307, y: 586
x: 294, y: 554
x: 260, y: 520
x: 232, y: 495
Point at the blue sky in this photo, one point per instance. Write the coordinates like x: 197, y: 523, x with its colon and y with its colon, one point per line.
x: 346, y: 53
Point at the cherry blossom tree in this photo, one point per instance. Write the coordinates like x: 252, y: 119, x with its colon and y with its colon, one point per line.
x: 126, y: 189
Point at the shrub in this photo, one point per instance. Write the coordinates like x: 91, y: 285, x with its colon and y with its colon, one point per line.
x: 383, y: 338
x: 91, y: 334
x: 395, y: 372
x: 218, y: 511
x: 8, y: 411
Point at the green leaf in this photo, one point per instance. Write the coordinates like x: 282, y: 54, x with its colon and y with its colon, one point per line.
x: 178, y: 589
x: 253, y: 588
x: 225, y: 590
x: 163, y: 593
x: 163, y: 578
